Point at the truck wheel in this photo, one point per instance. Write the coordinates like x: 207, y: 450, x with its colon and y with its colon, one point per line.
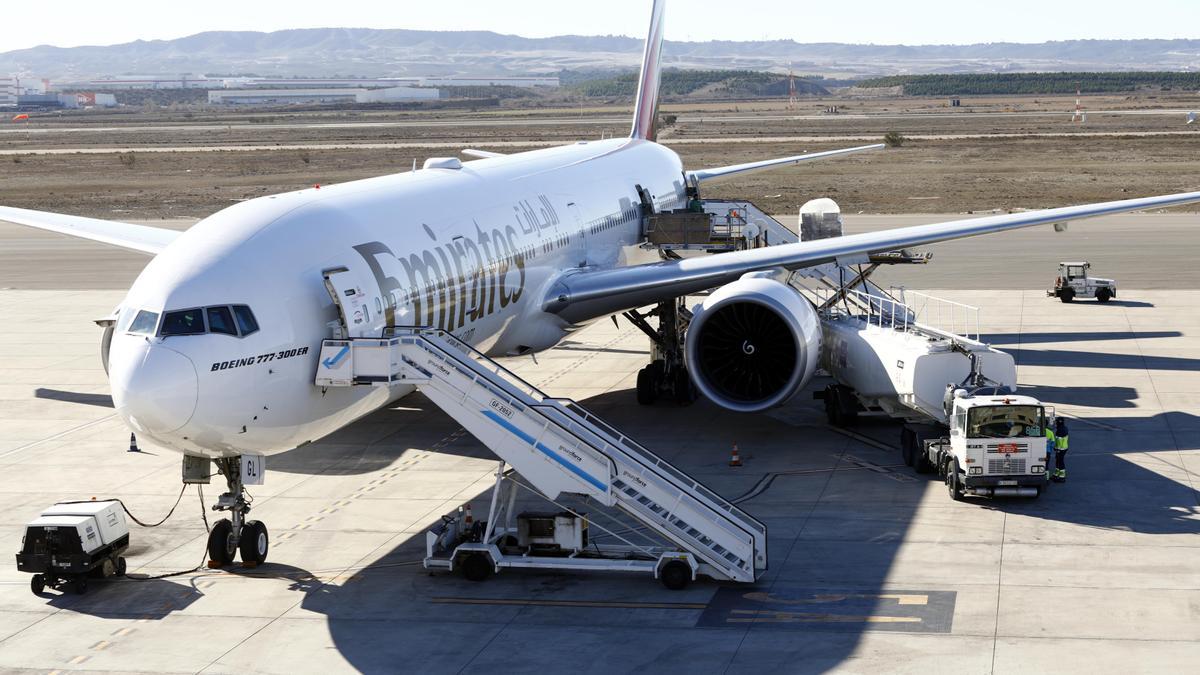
x: 675, y: 575
x: 832, y: 414
x: 953, y: 483
x: 121, y: 567
x: 255, y: 543
x: 847, y: 404
x: 37, y: 584
x: 80, y: 585
x: 1067, y: 294
x: 1103, y: 295
x: 220, y: 543
x: 921, y: 463
x: 477, y: 566
x: 647, y: 388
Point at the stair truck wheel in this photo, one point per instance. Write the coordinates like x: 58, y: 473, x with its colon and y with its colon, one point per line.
x: 255, y: 542
x: 1067, y: 294
x: 675, y: 575
x: 37, y: 584
x: 477, y: 566
x: 953, y: 483
x: 1103, y: 295
x: 220, y: 542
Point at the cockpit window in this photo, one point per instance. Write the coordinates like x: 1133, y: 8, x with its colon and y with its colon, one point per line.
x: 144, y: 323
x: 221, y: 321
x: 184, y: 322
x: 245, y: 319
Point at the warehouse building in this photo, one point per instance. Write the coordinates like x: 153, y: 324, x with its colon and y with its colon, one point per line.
x: 332, y: 95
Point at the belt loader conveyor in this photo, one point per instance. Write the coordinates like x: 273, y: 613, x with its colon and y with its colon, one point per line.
x: 559, y: 448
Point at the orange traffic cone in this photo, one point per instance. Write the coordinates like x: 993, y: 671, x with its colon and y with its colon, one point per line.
x: 734, y: 458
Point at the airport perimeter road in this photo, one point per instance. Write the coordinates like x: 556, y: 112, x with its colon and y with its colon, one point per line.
x: 873, y: 568
x: 1140, y: 251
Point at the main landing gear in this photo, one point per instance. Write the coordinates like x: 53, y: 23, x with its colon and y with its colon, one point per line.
x: 234, y: 535
x: 667, y: 374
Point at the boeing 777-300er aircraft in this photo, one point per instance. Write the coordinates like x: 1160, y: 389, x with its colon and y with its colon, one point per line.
x: 212, y: 352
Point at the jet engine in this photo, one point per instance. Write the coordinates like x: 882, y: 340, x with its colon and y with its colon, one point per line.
x: 109, y: 324
x: 753, y: 344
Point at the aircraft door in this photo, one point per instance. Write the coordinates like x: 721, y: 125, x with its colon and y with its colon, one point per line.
x: 581, y: 239
x: 356, y: 314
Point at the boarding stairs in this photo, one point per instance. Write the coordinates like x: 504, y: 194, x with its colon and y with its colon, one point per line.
x: 555, y: 444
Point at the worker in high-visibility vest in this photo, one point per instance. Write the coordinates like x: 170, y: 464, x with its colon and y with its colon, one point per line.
x: 1060, y: 450
x: 1050, y: 439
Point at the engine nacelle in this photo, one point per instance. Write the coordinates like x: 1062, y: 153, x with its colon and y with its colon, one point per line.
x: 753, y: 344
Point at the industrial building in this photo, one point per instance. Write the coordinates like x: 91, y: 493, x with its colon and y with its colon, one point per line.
x: 328, y: 95
x: 525, y: 82
x: 12, y: 88
x: 69, y: 101
x: 189, y: 81
x: 184, y: 81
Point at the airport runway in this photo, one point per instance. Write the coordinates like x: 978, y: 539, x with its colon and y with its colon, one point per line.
x: 487, y: 121
x: 668, y: 141
x: 1140, y: 251
x: 872, y: 569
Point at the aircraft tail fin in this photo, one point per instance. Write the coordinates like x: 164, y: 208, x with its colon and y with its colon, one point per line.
x: 645, y: 115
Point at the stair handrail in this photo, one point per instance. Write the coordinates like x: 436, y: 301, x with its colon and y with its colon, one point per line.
x: 621, y: 442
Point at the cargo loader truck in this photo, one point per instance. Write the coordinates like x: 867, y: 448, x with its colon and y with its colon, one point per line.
x: 956, y: 396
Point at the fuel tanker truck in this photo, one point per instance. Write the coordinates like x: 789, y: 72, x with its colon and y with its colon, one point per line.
x: 955, y: 396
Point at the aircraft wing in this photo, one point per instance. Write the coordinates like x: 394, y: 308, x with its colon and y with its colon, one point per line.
x: 141, y: 238
x: 582, y: 295
x: 722, y: 171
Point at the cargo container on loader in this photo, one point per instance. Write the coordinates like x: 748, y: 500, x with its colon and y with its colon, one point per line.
x: 955, y: 395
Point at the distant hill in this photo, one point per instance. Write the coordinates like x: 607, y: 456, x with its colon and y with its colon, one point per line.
x: 374, y: 53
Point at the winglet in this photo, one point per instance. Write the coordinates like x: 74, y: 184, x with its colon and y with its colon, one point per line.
x: 645, y: 114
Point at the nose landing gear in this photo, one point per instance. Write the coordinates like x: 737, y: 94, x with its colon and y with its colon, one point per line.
x: 233, y: 535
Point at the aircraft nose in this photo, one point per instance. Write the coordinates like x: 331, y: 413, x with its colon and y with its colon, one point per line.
x: 154, y: 388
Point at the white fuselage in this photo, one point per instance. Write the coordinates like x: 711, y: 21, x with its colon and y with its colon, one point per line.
x: 472, y: 250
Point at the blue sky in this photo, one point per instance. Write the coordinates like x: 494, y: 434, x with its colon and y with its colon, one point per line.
x: 74, y: 22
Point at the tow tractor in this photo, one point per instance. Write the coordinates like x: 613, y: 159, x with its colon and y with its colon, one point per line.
x: 1074, y: 282
x: 970, y: 427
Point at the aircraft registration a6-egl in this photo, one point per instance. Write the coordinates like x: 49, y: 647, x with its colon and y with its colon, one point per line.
x: 212, y: 352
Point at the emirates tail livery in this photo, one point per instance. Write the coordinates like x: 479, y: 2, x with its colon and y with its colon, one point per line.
x: 212, y: 353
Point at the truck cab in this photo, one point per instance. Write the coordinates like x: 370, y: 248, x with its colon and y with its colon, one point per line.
x: 1074, y: 282
x: 996, y: 446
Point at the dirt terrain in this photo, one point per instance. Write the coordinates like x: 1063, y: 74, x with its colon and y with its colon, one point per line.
x: 992, y: 153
